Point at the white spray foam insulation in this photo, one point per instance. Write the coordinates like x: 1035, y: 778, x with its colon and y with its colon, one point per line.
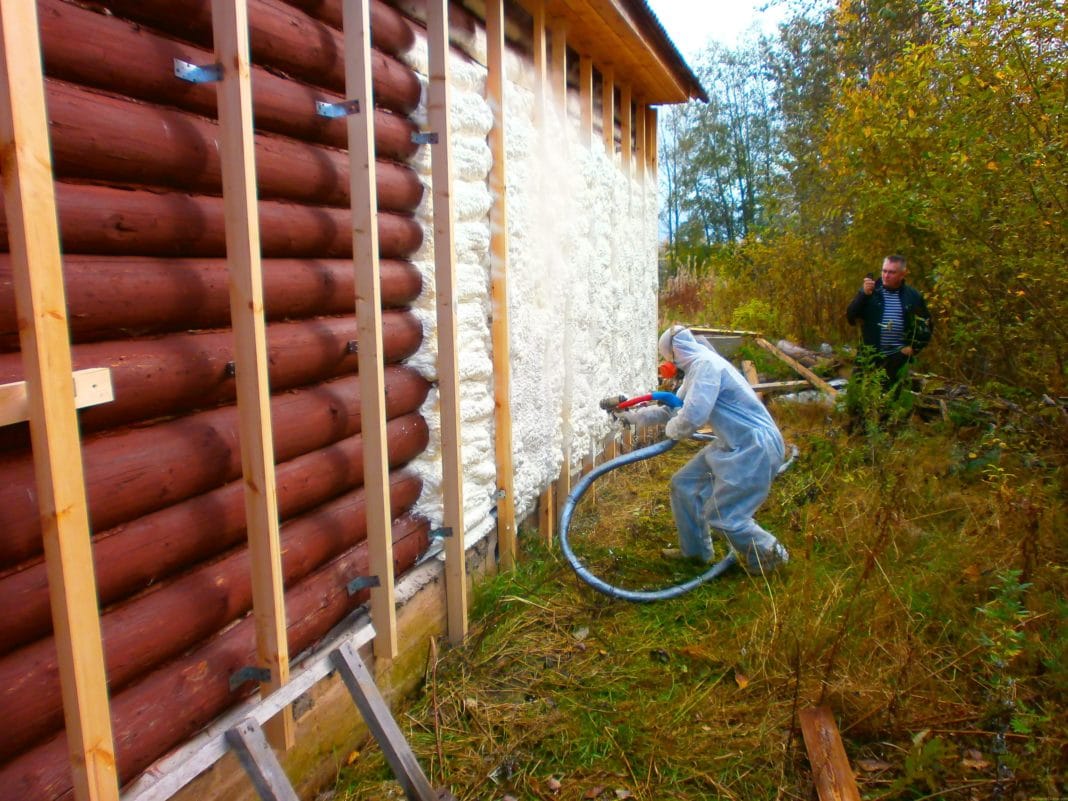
x: 581, y: 293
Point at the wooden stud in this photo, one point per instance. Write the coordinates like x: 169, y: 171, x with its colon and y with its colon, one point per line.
x: 830, y: 767
x: 640, y: 163
x: 816, y: 381
x: 37, y: 274
x: 91, y: 388
x: 230, y: 22
x: 608, y: 111
x: 364, y: 203
x: 586, y: 101
x: 499, y: 327
x: 541, y: 61
x: 558, y: 73
x: 445, y: 284
x: 546, y: 511
x: 651, y: 135
x: 627, y: 125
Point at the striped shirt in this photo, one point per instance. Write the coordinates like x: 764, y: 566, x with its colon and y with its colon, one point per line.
x: 892, y: 326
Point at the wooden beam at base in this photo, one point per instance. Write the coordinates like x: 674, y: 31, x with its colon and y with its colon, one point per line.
x: 800, y: 368
x: 237, y: 154
x: 830, y: 767
x: 364, y: 204
x: 91, y: 388
x: 499, y: 326
x: 37, y: 274
x: 445, y: 287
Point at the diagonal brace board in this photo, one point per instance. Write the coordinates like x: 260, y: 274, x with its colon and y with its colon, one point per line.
x: 256, y: 757
x: 382, y: 725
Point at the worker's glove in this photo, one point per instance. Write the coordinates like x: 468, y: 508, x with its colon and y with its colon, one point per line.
x: 677, y: 429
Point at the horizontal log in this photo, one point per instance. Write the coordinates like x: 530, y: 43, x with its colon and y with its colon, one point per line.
x: 132, y: 472
x: 107, y: 220
x: 171, y: 704
x: 280, y: 37
x: 173, y: 374
x: 390, y: 30
x: 111, y: 139
x: 148, y: 630
x: 109, y: 53
x: 133, y: 556
x: 110, y: 297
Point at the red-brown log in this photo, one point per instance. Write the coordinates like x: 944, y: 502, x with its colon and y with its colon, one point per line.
x: 154, y: 627
x: 139, y: 470
x: 111, y: 139
x: 143, y: 552
x: 109, y: 53
x: 280, y: 37
x: 171, y: 704
x: 390, y: 30
x: 173, y: 374
x: 108, y: 220
x: 112, y: 296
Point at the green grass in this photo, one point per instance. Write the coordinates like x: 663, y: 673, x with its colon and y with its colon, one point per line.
x: 924, y: 604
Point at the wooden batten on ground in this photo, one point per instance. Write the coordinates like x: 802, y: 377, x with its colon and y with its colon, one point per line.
x: 830, y: 767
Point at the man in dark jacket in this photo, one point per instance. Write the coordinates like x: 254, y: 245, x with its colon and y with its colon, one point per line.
x: 895, y: 323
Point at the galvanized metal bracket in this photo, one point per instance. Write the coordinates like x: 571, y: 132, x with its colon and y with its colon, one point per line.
x: 444, y: 531
x: 249, y: 673
x: 362, y: 583
x: 352, y: 346
x: 425, y: 138
x: 332, y: 111
x: 197, y: 74
x: 501, y: 493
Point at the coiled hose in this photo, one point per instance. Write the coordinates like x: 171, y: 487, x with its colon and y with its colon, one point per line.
x: 636, y: 596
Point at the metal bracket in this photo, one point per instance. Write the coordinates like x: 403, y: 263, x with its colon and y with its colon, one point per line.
x: 334, y: 110
x: 444, y: 531
x: 249, y: 673
x: 362, y: 583
x: 194, y: 74
x: 425, y: 138
x: 231, y: 370
x: 352, y: 346
x: 501, y: 494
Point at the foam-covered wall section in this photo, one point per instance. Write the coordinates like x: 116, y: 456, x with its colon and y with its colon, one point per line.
x: 582, y: 283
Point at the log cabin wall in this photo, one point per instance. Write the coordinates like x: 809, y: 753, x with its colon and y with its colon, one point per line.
x: 138, y: 187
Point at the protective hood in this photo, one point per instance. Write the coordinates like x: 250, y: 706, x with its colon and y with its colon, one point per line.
x: 678, y: 344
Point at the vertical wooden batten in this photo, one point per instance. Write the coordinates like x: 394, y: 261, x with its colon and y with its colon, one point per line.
x: 230, y: 23
x: 608, y: 111
x: 586, y: 101
x: 541, y: 60
x: 44, y: 338
x: 364, y: 203
x: 499, y: 328
x: 626, y: 125
x: 640, y: 159
x: 651, y: 135
x: 445, y: 288
x: 558, y: 74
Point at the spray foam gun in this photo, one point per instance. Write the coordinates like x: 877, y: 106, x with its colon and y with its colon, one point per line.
x: 616, y: 404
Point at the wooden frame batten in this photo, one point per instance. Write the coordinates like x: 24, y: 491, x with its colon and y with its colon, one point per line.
x: 445, y: 288
x: 364, y: 203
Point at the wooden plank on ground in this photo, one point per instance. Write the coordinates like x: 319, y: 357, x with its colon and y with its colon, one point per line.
x: 780, y: 386
x: 814, y: 379
x: 830, y: 767
x: 382, y: 725
x: 256, y: 757
x: 499, y: 327
x: 37, y: 274
x: 608, y: 111
x: 445, y: 288
x: 91, y: 388
x: 237, y: 146
x: 364, y: 204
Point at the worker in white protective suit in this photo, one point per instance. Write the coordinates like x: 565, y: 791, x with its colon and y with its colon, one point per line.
x: 726, y: 482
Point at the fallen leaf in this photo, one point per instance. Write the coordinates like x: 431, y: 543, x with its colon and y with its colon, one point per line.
x: 873, y: 765
x: 972, y: 573
x: 554, y: 784
x: 352, y: 757
x: 593, y: 792
x: 974, y: 759
x: 741, y: 679
x: 581, y: 634
x: 621, y: 793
